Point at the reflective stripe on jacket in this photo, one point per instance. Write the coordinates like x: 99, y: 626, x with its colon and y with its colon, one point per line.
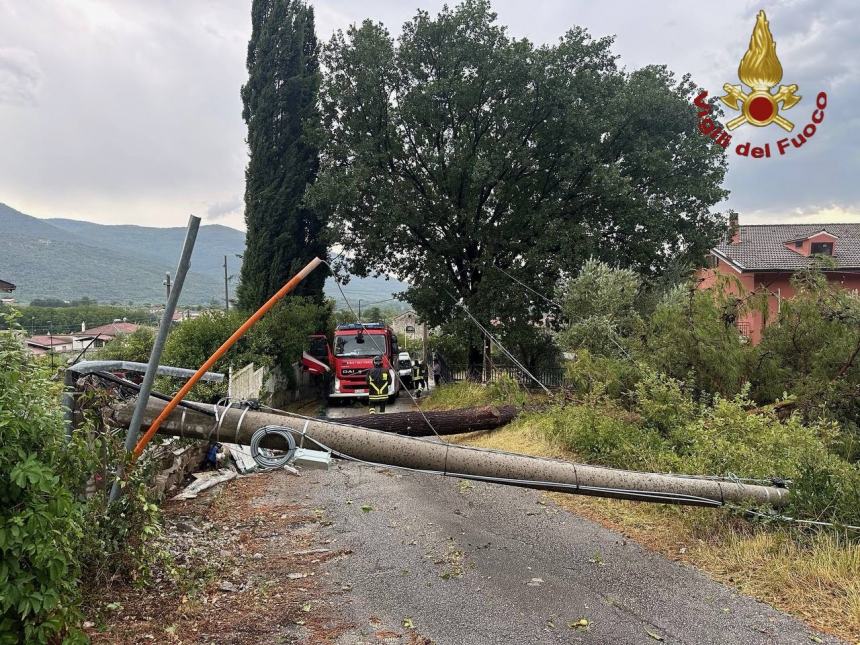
x: 377, y: 384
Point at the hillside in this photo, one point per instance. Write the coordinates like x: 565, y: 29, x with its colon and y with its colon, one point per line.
x: 69, y: 259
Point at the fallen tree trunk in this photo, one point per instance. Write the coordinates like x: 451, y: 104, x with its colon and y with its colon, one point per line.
x: 416, y: 424
x: 453, y: 460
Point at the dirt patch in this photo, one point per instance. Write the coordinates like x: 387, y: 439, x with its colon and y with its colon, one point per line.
x: 238, y: 566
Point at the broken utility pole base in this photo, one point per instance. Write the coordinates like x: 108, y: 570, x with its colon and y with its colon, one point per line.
x: 453, y: 460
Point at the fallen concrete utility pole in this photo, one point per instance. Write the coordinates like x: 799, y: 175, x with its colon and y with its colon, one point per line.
x: 445, y: 422
x: 463, y: 462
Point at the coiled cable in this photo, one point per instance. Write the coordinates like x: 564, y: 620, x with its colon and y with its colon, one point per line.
x: 263, y: 457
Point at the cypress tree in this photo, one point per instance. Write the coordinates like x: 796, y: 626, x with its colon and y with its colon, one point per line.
x: 282, y: 115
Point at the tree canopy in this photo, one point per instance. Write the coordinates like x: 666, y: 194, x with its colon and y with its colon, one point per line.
x: 457, y: 149
x: 280, y: 109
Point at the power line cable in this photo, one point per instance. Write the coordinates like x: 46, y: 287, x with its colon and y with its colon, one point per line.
x: 612, y: 332
x: 499, y: 344
x: 382, y: 351
x: 527, y: 287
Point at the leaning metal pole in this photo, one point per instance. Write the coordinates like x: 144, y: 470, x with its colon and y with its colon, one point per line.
x: 465, y: 462
x: 158, y: 346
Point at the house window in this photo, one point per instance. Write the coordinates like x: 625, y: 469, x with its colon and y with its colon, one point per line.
x: 798, y: 244
x: 822, y: 248
x: 711, y: 261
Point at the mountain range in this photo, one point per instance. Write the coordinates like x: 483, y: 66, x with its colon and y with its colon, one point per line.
x: 70, y: 259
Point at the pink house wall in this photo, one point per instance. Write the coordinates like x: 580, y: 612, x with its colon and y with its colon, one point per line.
x: 777, y: 286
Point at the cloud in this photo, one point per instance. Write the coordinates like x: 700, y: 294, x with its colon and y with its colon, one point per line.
x: 135, y: 117
x: 220, y: 210
x: 20, y: 76
x: 832, y: 214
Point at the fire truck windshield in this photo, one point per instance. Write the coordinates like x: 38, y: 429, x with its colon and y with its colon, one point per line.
x: 359, y: 345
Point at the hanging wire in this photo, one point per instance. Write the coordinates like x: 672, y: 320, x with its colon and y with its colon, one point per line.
x: 792, y: 520
x: 528, y: 288
x: 499, y: 344
x: 382, y: 352
x: 612, y: 332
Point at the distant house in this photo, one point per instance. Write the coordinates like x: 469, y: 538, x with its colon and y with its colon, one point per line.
x: 40, y: 345
x: 101, y: 335
x: 764, y: 257
x: 407, y: 324
x: 7, y: 287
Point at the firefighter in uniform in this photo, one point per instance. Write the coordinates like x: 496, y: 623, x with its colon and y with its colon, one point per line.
x: 417, y: 378
x: 377, y: 386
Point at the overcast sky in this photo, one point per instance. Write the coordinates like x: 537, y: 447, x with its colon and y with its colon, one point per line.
x: 128, y: 111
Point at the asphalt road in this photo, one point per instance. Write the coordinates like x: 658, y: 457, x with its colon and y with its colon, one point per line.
x: 480, y: 563
x: 342, y: 408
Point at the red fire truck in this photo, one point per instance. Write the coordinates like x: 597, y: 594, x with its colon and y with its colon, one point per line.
x: 344, y: 369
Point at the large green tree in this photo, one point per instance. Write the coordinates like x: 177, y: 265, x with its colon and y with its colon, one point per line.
x: 458, y: 150
x: 281, y: 110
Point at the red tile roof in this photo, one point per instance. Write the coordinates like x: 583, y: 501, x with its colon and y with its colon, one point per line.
x: 111, y: 329
x: 762, y: 246
x: 49, y: 341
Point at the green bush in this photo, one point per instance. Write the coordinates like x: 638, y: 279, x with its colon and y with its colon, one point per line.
x: 136, y: 346
x: 812, y: 353
x: 600, y: 307
x: 597, y: 376
x: 277, y: 340
x: 600, y: 433
x: 728, y: 439
x: 669, y: 432
x: 53, y: 541
x: 663, y: 403
x: 826, y: 488
x: 41, y: 523
x: 692, y: 337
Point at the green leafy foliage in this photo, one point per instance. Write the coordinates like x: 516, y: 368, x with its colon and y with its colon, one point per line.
x: 136, y: 346
x: 53, y: 540
x: 692, y: 337
x: 597, y: 375
x: 41, y: 523
x: 280, y: 108
x: 456, y: 150
x: 276, y: 341
x: 813, y: 352
x: 689, y: 393
x: 600, y: 307
x: 665, y: 430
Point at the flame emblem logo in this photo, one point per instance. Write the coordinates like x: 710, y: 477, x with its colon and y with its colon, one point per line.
x: 761, y: 70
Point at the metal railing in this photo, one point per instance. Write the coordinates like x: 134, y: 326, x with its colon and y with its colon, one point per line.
x: 550, y: 377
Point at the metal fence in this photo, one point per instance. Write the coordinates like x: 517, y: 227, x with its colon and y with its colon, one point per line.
x: 551, y: 377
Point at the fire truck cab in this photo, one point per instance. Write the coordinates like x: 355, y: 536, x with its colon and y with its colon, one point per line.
x: 345, y: 364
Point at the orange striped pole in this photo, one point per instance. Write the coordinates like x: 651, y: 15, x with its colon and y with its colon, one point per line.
x: 271, y: 302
